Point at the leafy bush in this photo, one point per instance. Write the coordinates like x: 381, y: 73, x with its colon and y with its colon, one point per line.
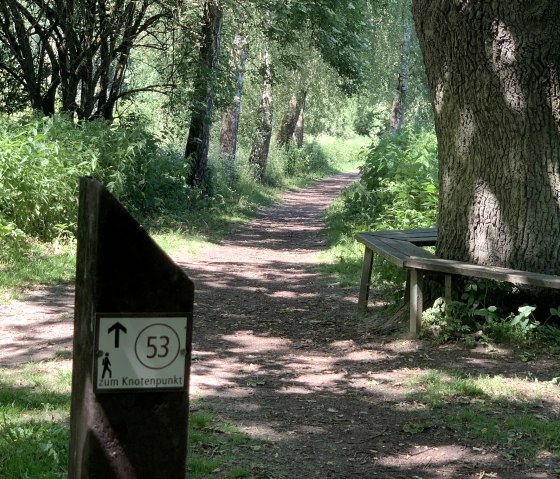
x: 398, y: 187
x: 302, y: 161
x: 37, y: 191
x: 41, y: 160
x: 371, y: 120
x: 397, y: 190
x: 474, y: 317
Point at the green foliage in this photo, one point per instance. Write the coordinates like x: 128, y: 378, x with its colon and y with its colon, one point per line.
x: 34, y: 432
x: 302, y: 161
x: 37, y: 191
x: 27, y: 262
x: 34, y: 449
x: 397, y: 190
x: 41, y: 160
x: 34, y: 435
x: 503, y: 414
x: 443, y: 322
x: 398, y: 183
x: 216, y: 449
x: 473, y: 318
x: 371, y: 120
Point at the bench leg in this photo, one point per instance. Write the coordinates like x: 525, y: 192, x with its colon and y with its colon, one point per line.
x: 447, y: 290
x: 366, y: 279
x: 416, y: 280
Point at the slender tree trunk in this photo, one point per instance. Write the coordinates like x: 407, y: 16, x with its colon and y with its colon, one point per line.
x: 297, y: 135
x: 198, y: 139
x: 196, y: 150
x: 290, y: 120
x: 259, y: 153
x: 230, y: 118
x: 396, y: 121
x: 494, y: 75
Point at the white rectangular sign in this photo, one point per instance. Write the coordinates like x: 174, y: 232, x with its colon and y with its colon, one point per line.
x: 140, y: 352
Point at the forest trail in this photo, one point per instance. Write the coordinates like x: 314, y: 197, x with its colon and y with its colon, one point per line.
x: 279, y: 351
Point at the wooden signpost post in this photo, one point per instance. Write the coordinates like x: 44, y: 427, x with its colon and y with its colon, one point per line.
x: 132, y: 348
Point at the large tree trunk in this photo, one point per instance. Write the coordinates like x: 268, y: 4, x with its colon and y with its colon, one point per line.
x: 259, y: 153
x: 396, y: 121
x: 494, y: 75
x: 196, y: 151
x: 230, y: 118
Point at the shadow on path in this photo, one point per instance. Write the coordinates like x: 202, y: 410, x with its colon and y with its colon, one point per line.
x: 281, y: 352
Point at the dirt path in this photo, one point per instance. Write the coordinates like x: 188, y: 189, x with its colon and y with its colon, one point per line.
x: 279, y: 351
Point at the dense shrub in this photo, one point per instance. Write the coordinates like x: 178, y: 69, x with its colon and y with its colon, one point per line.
x: 41, y: 160
x: 398, y: 186
x: 371, y: 120
x: 301, y: 161
x: 38, y: 176
x: 397, y: 190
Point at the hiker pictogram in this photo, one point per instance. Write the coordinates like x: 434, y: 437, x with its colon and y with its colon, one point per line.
x: 106, y: 366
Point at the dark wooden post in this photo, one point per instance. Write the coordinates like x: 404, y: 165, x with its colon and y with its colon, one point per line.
x: 124, y: 434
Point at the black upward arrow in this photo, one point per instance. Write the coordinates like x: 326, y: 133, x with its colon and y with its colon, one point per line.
x: 117, y: 328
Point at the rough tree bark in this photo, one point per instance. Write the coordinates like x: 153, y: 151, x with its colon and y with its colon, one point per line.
x: 259, y: 152
x: 494, y: 75
x: 196, y: 150
x: 230, y: 118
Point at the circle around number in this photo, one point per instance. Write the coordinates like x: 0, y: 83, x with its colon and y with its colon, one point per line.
x: 173, y: 356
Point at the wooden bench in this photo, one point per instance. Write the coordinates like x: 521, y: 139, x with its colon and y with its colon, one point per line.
x: 403, y: 248
x: 396, y: 247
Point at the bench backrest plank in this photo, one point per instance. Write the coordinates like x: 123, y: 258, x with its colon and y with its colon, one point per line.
x: 488, y: 272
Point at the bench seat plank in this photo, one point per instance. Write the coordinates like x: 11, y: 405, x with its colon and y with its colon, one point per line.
x: 395, y: 251
x: 488, y: 272
x: 419, y: 236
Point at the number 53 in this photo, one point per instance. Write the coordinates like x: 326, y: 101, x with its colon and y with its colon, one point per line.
x: 158, y: 346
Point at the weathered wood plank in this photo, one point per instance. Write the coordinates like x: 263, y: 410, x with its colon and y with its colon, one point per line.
x: 488, y: 272
x: 120, y: 269
x: 366, y: 279
x: 416, y: 300
x: 419, y: 236
x: 394, y: 251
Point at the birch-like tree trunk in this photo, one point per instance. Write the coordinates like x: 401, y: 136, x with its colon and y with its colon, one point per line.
x: 259, y: 152
x: 290, y: 120
x: 494, y: 75
x: 396, y: 121
x: 297, y: 135
x: 230, y: 118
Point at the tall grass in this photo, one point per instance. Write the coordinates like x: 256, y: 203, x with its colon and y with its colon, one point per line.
x: 42, y: 159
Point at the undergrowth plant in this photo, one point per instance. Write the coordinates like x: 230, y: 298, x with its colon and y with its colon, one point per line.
x: 487, y: 312
x: 42, y: 159
x: 34, y: 430
x: 397, y: 190
x: 398, y: 186
x: 503, y: 414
